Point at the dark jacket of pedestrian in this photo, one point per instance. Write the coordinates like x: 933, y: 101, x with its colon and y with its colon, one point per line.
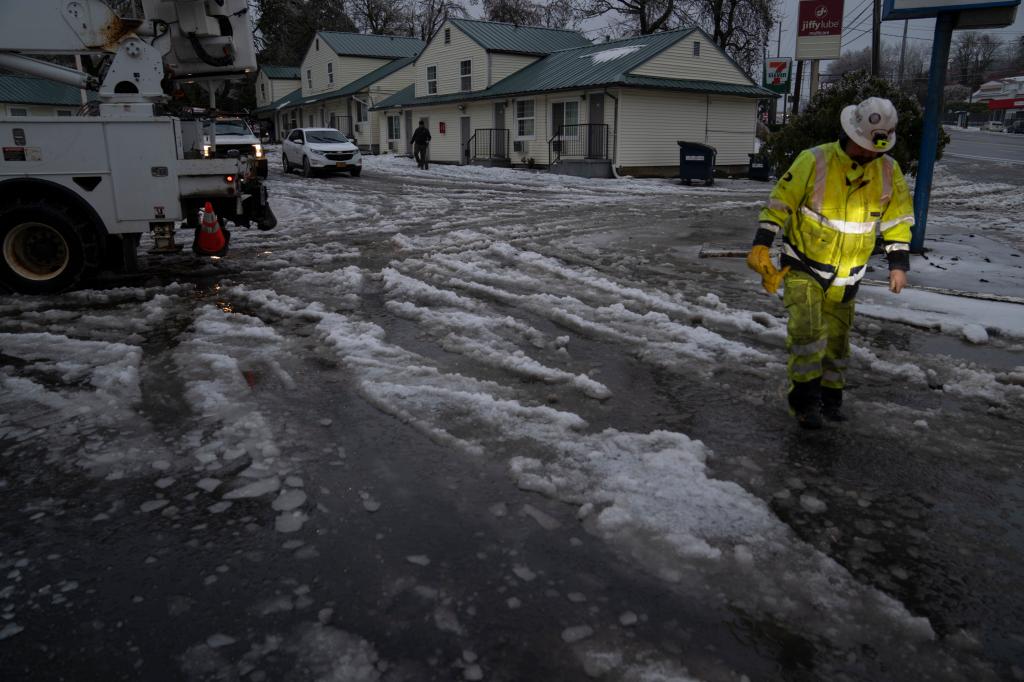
x: 421, y: 135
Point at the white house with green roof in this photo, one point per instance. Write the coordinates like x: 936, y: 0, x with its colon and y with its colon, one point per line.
x: 274, y: 82
x: 342, y: 76
x: 506, y: 94
x: 27, y: 96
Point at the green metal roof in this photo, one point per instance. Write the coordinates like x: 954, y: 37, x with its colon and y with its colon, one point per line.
x: 292, y: 98
x: 374, y: 76
x: 366, y: 45
x: 280, y: 72
x: 498, y: 37
x: 296, y: 99
x: 604, y: 65
x: 709, y: 87
x: 27, y: 90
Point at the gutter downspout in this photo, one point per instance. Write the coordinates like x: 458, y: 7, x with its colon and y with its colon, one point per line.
x: 615, y: 133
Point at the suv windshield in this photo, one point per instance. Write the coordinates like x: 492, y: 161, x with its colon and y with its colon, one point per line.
x: 325, y: 136
x: 233, y: 128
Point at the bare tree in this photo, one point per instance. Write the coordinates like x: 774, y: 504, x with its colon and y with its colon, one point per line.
x: 380, y: 17
x: 641, y: 17
x: 520, y: 12
x: 740, y: 27
x: 973, y: 55
x: 425, y: 17
x: 560, y: 14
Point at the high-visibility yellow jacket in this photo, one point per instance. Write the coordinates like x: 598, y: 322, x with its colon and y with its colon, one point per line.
x: 829, y: 208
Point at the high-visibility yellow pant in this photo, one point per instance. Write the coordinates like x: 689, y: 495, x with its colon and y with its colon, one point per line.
x: 818, y: 332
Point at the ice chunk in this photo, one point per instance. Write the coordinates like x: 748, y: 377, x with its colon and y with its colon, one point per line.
x: 289, y: 500
x: 975, y: 333
x: 153, y: 505
x: 218, y: 640
x: 289, y: 521
x: 544, y: 520
x: 628, y: 618
x: 473, y: 672
x: 576, y: 633
x: 258, y: 488
x: 165, y: 482
x: 418, y: 559
x: 812, y: 504
x: 523, y: 572
x: 208, y: 484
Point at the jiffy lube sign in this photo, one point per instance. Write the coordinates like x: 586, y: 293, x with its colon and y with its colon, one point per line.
x: 821, y: 18
x: 819, y: 29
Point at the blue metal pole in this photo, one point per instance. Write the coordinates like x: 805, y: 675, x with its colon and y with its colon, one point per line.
x: 944, y: 23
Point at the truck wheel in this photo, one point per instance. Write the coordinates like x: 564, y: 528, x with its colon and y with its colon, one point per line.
x: 307, y: 170
x: 43, y: 250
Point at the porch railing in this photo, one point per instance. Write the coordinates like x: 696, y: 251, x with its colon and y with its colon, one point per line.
x: 489, y: 143
x: 342, y: 123
x: 579, y: 141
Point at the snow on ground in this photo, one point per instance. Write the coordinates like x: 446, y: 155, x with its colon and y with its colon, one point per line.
x: 446, y: 308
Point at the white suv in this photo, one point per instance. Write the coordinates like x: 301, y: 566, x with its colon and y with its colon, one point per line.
x: 314, y: 149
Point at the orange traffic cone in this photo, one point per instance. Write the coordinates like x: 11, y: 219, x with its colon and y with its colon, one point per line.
x: 211, y: 239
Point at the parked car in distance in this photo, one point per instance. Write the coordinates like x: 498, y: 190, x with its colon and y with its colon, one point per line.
x: 1016, y: 126
x: 234, y: 134
x: 320, y: 149
x: 993, y: 126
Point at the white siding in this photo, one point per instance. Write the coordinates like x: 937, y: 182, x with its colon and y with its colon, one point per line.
x: 731, y: 129
x: 504, y: 65
x: 345, y: 69
x: 447, y: 58
x: 275, y: 88
x: 652, y: 122
x: 678, y: 62
x: 393, y: 83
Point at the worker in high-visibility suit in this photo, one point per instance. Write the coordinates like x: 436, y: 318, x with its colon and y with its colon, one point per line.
x: 829, y: 206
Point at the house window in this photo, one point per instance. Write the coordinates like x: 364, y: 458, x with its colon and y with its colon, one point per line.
x: 311, y: 120
x: 447, y: 36
x: 524, y: 119
x: 362, y: 113
x: 309, y: 78
x: 63, y: 112
x: 565, y: 115
x: 466, y: 72
x: 19, y: 112
x: 696, y: 48
x: 330, y: 72
x: 394, y: 127
x: 431, y: 80
x: 295, y: 121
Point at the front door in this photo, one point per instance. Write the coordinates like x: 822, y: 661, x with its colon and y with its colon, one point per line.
x: 497, y: 145
x: 465, y: 132
x: 408, y: 132
x: 597, y: 143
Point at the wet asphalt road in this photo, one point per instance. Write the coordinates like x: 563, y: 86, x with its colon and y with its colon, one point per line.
x: 104, y: 590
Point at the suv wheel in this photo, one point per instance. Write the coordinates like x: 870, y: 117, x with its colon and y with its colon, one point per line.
x: 307, y: 170
x: 284, y: 162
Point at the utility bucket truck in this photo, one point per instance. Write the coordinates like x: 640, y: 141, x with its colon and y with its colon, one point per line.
x: 77, y: 193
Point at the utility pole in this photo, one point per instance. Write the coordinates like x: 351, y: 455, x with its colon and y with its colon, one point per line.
x: 903, y: 53
x: 813, y: 89
x: 876, y: 38
x: 796, y: 95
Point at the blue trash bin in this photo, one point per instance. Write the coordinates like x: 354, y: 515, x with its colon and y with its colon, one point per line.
x: 696, y: 162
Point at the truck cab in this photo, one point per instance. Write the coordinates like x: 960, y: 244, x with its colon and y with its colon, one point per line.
x: 233, y: 134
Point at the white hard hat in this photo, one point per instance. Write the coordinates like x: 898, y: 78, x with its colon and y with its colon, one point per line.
x: 871, y: 124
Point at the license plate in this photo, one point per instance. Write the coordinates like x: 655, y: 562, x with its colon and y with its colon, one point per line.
x: 340, y: 164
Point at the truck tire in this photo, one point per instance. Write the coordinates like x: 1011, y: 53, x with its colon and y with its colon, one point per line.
x: 42, y: 249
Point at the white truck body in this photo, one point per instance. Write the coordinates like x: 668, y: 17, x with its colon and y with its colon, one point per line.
x: 77, y: 193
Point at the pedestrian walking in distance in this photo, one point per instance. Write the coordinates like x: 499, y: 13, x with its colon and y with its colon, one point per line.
x: 420, y: 144
x: 829, y: 206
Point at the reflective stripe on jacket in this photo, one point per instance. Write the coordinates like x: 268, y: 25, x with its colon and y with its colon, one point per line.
x: 829, y: 208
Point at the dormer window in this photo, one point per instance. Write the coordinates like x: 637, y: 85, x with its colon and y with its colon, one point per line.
x: 696, y: 48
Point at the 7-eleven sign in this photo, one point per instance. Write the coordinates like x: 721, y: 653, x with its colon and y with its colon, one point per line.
x: 776, y: 75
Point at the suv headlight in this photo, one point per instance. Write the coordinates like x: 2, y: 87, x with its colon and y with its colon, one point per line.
x: 257, y: 150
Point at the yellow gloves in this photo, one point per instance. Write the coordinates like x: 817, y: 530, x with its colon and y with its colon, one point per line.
x: 760, y: 262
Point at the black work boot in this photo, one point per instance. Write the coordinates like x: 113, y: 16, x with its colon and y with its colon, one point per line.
x: 831, y: 404
x: 805, y: 403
